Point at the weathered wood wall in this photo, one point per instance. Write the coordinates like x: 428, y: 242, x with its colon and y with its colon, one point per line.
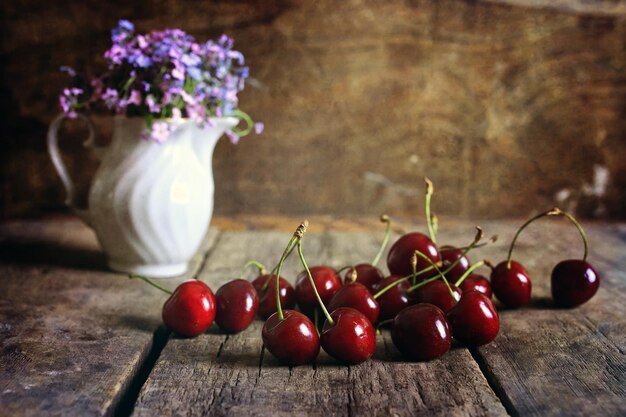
x: 506, y: 105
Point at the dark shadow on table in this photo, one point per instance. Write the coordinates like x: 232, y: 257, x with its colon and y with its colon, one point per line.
x: 52, y: 254
x: 146, y: 324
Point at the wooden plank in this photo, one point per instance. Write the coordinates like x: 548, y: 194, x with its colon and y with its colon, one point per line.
x: 231, y: 375
x: 72, y: 334
x: 551, y: 362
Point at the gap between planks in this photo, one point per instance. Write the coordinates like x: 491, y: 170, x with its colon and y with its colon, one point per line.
x: 130, y: 392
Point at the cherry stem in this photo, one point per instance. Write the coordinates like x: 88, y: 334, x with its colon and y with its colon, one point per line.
x: 551, y: 212
x: 468, y: 272
x: 273, y: 272
x: 343, y: 268
x: 421, y: 284
x: 580, y: 230
x: 317, y: 294
x: 297, y: 235
x: 353, y: 276
x: 435, y: 222
x: 149, y: 281
x: 385, y: 219
x: 258, y: 264
x: 422, y: 255
x: 401, y: 280
x: 466, y: 250
x: 491, y: 240
x: 414, y: 268
x: 383, y: 323
x: 429, y: 220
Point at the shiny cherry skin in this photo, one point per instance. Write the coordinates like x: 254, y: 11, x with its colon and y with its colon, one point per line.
x: 293, y: 340
x: 395, y: 299
x: 327, y: 283
x: 237, y: 304
x: 474, y: 320
x: 190, y: 310
x: 511, y: 286
x: 352, y: 339
x: 574, y: 282
x: 449, y: 255
x: 366, y: 274
x: 356, y: 295
x: 476, y: 282
x: 421, y: 332
x: 437, y: 294
x: 267, y: 297
x: 401, y: 252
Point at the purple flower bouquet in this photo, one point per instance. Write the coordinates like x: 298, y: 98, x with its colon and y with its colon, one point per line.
x: 165, y: 76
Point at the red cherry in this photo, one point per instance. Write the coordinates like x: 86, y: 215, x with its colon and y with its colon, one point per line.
x: 421, y: 332
x: 327, y: 282
x: 512, y: 286
x: 401, y: 252
x: 366, y: 274
x: 574, y: 282
x: 449, y: 255
x: 237, y: 304
x: 358, y: 297
x: 437, y: 294
x: 474, y: 319
x: 393, y: 300
x: 267, y: 296
x: 351, y: 339
x: 476, y: 282
x: 293, y: 340
x: 190, y: 310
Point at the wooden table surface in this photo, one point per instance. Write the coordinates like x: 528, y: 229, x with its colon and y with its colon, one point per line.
x: 77, y: 339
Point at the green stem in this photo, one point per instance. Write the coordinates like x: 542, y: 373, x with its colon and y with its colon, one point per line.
x: 429, y: 223
x: 421, y: 284
x: 492, y: 239
x: 288, y: 249
x: 385, y: 219
x: 149, y: 281
x: 422, y: 255
x: 468, y: 272
x: 317, y: 294
x: 384, y: 322
x: 551, y: 212
x: 401, y: 280
x: 258, y: 264
x: 580, y: 230
x: 466, y: 250
x: 435, y: 222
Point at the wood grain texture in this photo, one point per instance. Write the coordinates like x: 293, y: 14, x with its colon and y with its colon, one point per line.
x: 555, y: 362
x: 221, y: 375
x: 72, y: 334
x: 491, y: 98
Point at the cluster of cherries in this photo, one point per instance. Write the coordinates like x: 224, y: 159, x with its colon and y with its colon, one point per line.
x: 431, y: 296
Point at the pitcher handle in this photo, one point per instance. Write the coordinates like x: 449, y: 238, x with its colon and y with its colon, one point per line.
x: 57, y: 161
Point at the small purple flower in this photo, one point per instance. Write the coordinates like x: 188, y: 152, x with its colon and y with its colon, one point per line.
x: 153, y: 107
x: 259, y: 127
x: 134, y: 98
x: 126, y: 25
x: 160, y: 131
x: 142, y: 42
x: 178, y: 72
x: 110, y: 98
x: 234, y: 138
x: 68, y: 70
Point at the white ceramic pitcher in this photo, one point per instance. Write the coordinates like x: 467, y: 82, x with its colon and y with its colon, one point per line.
x: 150, y: 204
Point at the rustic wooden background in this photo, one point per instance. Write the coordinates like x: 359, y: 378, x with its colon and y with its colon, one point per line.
x: 508, y: 105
